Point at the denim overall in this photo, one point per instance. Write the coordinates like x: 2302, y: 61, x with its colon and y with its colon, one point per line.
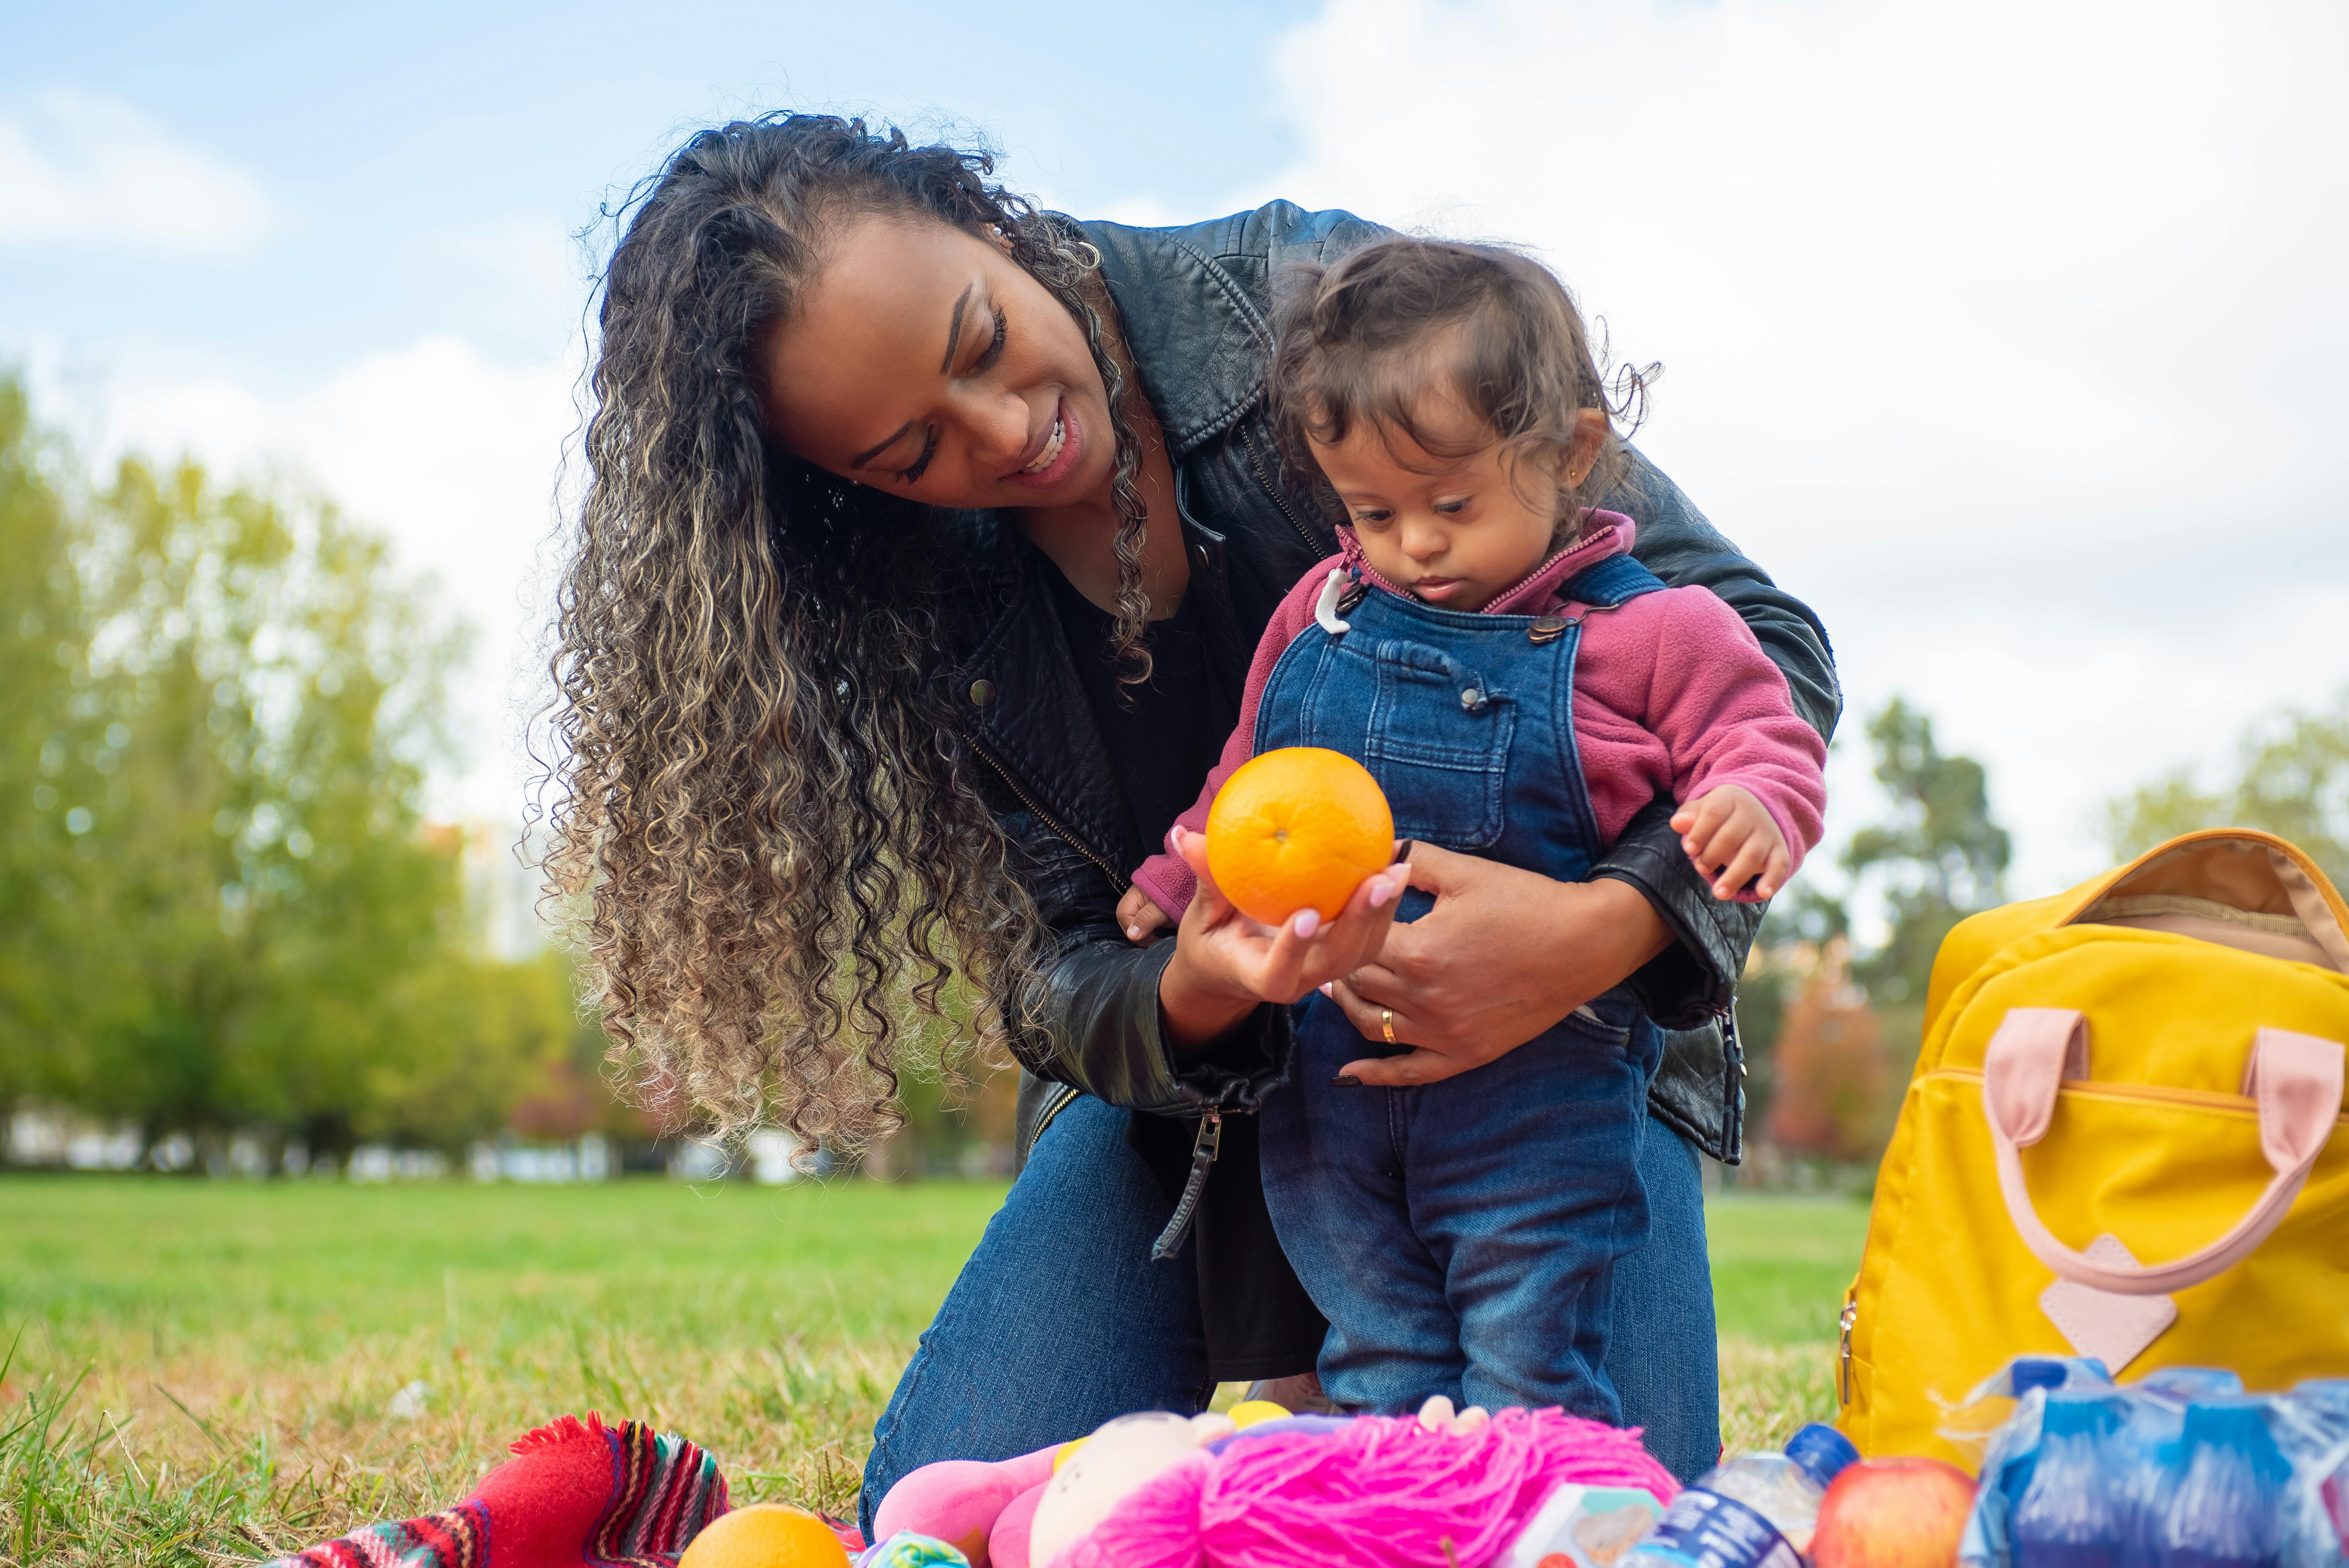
x: 1461, y: 1236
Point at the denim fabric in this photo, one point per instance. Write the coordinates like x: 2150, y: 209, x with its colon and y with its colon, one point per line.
x: 1059, y: 1321
x: 1052, y: 1329
x: 1461, y: 1237
x: 1663, y: 1357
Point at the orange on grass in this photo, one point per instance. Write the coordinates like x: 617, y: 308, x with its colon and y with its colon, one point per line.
x: 1297, y: 829
x: 765, y: 1535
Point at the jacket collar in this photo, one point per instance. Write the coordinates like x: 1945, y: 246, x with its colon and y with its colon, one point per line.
x: 1198, y: 341
x: 1605, y: 533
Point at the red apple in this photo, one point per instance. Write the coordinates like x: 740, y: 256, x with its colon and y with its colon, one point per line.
x: 1893, y: 1513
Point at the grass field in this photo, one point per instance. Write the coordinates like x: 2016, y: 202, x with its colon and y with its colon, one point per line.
x: 205, y: 1372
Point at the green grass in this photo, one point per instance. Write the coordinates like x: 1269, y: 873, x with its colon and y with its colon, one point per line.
x: 203, y: 1370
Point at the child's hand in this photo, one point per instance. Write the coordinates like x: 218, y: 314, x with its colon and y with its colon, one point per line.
x: 1140, y: 919
x: 1733, y: 839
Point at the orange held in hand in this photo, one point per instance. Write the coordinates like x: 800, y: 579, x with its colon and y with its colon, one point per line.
x: 1297, y: 829
x: 765, y: 1535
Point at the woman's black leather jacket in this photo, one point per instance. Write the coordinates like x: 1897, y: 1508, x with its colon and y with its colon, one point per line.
x: 1192, y: 303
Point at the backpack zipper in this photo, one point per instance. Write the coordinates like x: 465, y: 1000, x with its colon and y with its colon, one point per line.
x: 2135, y: 1093
x: 1844, y: 1321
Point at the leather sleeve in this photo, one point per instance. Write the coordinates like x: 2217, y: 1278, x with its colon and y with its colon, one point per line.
x: 1088, y: 1017
x: 1693, y: 979
x: 1103, y: 1033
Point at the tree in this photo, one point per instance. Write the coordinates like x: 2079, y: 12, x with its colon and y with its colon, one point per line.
x: 2292, y: 778
x: 1940, y: 858
x: 223, y: 910
x: 45, y: 718
x: 1833, y: 1078
x: 1826, y: 1027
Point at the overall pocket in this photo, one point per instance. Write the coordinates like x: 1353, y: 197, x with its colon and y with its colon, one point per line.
x: 1438, y: 743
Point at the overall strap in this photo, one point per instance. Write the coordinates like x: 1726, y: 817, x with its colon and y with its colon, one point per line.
x: 1607, y: 583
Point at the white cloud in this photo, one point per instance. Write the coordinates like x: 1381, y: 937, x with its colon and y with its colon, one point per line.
x: 454, y: 456
x: 84, y: 168
x: 2008, y: 333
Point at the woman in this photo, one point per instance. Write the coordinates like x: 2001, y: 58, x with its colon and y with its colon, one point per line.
x: 926, y: 540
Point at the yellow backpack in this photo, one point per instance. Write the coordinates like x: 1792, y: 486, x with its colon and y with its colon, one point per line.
x: 2125, y: 1139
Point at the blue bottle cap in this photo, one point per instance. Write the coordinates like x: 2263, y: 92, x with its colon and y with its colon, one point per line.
x: 2030, y: 1372
x: 1822, y: 1451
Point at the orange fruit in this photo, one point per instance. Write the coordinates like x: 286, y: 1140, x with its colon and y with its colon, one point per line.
x: 765, y: 1535
x: 1297, y: 829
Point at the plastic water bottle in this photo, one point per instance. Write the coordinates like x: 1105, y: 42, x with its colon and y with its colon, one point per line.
x: 2009, y: 1442
x: 2072, y: 1511
x: 1755, y: 1511
x: 2225, y: 1489
x: 2312, y: 1425
x: 2140, y: 1452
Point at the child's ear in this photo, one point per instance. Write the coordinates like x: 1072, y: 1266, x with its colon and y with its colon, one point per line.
x: 1582, y: 448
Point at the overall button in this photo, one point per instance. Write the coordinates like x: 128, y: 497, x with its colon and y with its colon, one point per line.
x: 1352, y: 598
x: 1199, y: 555
x: 1470, y: 697
x: 1547, y: 629
x: 982, y: 692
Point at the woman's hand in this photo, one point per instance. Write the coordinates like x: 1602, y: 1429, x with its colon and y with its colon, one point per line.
x: 1225, y: 965
x: 1503, y: 955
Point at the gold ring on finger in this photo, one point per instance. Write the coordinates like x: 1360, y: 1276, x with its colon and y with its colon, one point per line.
x: 1386, y: 1023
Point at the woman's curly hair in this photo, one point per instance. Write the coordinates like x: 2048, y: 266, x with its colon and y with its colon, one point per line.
x: 763, y: 818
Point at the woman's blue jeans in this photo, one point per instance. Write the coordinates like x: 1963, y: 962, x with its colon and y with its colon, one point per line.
x: 1061, y: 1321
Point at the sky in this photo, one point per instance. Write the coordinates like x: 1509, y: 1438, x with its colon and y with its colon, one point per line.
x: 2009, y: 335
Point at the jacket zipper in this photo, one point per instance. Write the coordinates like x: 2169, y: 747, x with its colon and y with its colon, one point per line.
x: 1061, y: 1097
x: 1067, y: 1096
x: 1372, y: 573
x: 1265, y: 480
x: 1204, y: 1151
x: 1075, y: 842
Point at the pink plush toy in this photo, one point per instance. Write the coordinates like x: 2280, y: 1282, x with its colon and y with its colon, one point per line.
x: 959, y: 1501
x: 1007, y: 1543
x: 1375, y: 1491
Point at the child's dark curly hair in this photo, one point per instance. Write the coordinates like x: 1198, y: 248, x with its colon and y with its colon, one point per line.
x: 1366, y: 336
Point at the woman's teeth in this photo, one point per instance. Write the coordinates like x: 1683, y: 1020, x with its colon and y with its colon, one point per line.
x: 1051, y: 448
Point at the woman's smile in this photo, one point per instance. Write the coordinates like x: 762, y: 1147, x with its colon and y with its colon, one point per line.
x: 1061, y: 452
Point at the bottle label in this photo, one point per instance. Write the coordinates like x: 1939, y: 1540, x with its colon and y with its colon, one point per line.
x: 1584, y: 1527
x: 1705, y: 1530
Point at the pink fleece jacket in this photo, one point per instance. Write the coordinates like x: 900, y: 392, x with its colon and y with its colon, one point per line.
x: 1672, y: 695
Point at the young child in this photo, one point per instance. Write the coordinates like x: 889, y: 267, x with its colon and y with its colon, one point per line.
x: 1520, y: 686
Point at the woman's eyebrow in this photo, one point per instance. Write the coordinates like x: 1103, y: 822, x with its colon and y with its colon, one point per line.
x: 954, y: 328
x: 871, y: 452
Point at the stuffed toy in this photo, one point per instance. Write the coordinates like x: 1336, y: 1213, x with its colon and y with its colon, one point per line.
x: 1158, y: 1490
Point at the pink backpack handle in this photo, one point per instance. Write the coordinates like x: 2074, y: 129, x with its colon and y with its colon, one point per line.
x: 2296, y: 1080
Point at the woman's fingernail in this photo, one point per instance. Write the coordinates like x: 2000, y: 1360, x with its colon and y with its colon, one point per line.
x: 1329, y: 989
x: 1382, y: 890
x: 1307, y: 923
x: 1345, y: 1080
